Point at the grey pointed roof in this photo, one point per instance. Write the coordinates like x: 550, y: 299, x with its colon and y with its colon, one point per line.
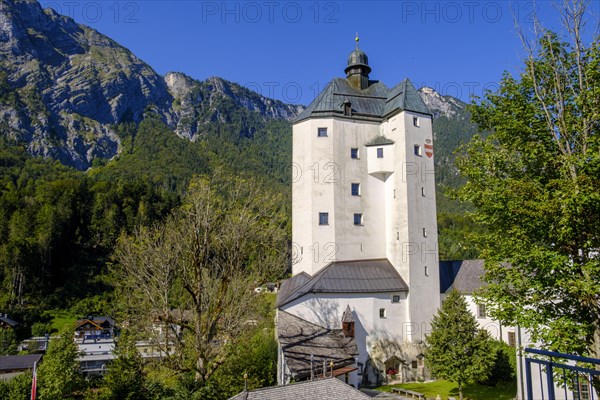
x: 322, y: 389
x: 300, y: 339
x: 356, y: 276
x: 466, y: 276
x: 373, y: 103
x: 347, y: 316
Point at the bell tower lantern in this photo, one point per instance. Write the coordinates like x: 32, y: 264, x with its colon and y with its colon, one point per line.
x: 357, y: 71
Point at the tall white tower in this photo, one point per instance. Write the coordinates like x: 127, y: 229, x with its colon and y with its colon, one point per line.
x: 364, y: 184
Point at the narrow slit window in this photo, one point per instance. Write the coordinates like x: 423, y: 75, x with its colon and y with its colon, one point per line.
x: 382, y: 313
x: 418, y: 150
x: 323, y: 218
x: 355, y: 189
x: 416, y: 121
x: 358, y: 219
x: 380, y: 152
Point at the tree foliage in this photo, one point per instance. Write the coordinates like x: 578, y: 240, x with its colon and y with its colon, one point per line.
x: 534, y: 186
x: 125, y: 377
x: 199, y: 268
x: 457, y: 349
x: 58, y: 374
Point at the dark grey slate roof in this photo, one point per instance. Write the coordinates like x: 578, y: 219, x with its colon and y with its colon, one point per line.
x: 322, y: 389
x: 379, y: 141
x: 20, y: 362
x: 8, y: 321
x: 404, y: 96
x: 372, y: 103
x: 299, y: 339
x: 462, y: 275
x: 357, y: 276
x: 289, y: 286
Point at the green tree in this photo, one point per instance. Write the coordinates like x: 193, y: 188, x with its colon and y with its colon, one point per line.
x: 198, y: 269
x: 457, y: 350
x: 17, y: 388
x: 534, y: 185
x: 125, y: 376
x: 8, y: 342
x: 58, y: 375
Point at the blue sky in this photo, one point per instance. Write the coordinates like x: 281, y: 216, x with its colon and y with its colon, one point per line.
x: 290, y: 49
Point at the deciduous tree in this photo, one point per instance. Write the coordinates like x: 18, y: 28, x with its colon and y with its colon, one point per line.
x: 197, y: 271
x: 534, y: 185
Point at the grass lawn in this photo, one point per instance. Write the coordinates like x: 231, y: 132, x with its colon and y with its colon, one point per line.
x: 61, y: 319
x: 446, y: 389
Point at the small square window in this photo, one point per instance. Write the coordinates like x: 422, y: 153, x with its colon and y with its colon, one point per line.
x: 323, y: 218
x: 418, y: 150
x: 356, y: 189
x: 322, y: 132
x: 396, y: 298
x: 358, y: 219
x: 380, y: 152
x: 481, y: 311
x: 382, y: 313
x: 354, y: 153
x: 414, y: 364
x: 416, y: 121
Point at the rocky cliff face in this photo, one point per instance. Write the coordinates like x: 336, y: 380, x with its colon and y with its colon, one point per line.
x: 446, y: 106
x: 198, y: 103
x: 63, y: 86
x: 71, y: 83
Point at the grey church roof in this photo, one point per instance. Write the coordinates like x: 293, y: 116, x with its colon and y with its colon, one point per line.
x: 299, y: 339
x: 357, y: 276
x: 289, y: 286
x: 372, y: 103
x: 462, y: 275
x: 322, y: 389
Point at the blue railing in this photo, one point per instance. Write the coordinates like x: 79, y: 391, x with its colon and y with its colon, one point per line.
x: 564, y: 368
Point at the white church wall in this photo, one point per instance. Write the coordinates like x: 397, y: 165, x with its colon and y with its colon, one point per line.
x: 412, y: 228
x: 326, y: 310
x: 323, y: 172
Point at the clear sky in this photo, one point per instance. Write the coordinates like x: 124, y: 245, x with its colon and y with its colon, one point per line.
x: 290, y: 49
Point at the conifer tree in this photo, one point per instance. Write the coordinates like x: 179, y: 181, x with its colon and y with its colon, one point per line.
x: 457, y: 349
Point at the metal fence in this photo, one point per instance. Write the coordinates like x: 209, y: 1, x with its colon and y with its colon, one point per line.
x: 552, y: 375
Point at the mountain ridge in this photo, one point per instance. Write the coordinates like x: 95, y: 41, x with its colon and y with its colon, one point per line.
x: 68, y: 85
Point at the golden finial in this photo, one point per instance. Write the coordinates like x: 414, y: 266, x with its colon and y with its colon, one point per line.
x: 356, y: 39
